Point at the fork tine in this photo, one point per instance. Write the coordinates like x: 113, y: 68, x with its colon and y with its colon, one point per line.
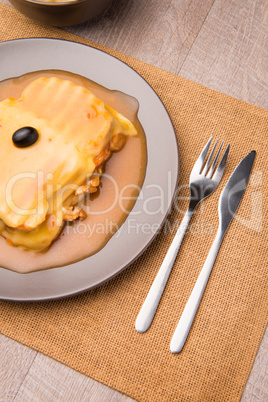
x: 209, y: 159
x: 201, y: 159
x: 220, y: 169
x: 211, y: 170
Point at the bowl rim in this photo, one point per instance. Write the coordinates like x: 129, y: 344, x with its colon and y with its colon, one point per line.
x: 55, y: 4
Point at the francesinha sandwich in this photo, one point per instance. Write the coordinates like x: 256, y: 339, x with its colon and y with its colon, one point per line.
x: 54, y: 141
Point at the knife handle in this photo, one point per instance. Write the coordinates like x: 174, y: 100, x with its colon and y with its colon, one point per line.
x: 149, y: 307
x: 186, y: 320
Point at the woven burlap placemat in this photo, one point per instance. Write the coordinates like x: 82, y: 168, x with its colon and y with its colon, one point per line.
x: 94, y: 332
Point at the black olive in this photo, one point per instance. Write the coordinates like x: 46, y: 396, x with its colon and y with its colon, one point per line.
x: 25, y: 136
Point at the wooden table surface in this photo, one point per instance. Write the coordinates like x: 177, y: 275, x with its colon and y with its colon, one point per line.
x: 222, y: 44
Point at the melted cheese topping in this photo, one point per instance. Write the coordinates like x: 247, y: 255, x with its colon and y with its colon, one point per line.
x: 74, y: 127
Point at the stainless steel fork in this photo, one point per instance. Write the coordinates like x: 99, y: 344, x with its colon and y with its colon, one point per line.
x: 204, y: 179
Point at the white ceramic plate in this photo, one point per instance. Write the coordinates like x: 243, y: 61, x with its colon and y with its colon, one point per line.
x: 25, y: 55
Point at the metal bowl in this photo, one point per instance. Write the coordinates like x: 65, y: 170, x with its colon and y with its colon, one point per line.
x: 61, y: 14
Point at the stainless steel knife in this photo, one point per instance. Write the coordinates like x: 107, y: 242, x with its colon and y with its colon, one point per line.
x: 229, y: 201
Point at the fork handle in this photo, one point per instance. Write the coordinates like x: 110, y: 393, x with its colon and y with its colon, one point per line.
x: 188, y: 315
x: 152, y: 300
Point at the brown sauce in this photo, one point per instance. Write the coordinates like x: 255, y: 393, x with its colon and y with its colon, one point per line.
x: 123, y: 177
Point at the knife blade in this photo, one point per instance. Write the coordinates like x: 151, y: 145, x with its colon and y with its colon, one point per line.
x: 229, y: 201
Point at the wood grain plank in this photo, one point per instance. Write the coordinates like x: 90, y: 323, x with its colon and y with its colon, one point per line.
x: 52, y: 381
x: 257, y: 384
x: 157, y: 32
x: 15, y: 362
x: 230, y: 53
